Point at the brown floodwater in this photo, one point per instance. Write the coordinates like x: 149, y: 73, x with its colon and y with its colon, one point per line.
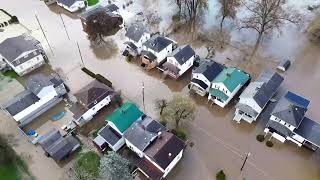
x: 219, y: 142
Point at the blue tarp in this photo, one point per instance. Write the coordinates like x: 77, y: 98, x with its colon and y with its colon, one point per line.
x: 297, y: 99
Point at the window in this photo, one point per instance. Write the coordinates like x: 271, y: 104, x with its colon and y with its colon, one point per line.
x: 26, y: 56
x: 95, y: 102
x: 34, y: 53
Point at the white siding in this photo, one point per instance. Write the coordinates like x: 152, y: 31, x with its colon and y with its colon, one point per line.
x: 290, y: 127
x: 88, y: 115
x: 118, y: 145
x: 222, y: 87
x: 134, y: 149
x: 49, y: 90
x: 184, y: 67
x: 173, y: 163
x: 75, y: 7
x: 28, y: 65
x: 162, y: 54
x: 139, y: 44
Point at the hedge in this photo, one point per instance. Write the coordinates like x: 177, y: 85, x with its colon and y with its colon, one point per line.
x: 98, y: 77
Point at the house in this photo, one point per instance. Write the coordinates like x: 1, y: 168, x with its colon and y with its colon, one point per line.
x: 72, y: 5
x: 162, y: 156
x: 155, y: 50
x: 179, y: 61
x: 256, y: 96
x: 226, y: 85
x: 56, y: 146
x: 40, y: 95
x: 141, y: 134
x: 118, y: 122
x: 91, y: 99
x: 136, y: 35
x: 203, y: 76
x: 22, y: 53
x: 288, y: 122
x: 109, y: 9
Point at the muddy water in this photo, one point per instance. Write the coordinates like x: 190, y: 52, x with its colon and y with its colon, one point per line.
x: 219, y: 142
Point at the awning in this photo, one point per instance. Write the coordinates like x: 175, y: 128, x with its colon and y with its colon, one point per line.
x: 219, y: 94
x: 171, y: 67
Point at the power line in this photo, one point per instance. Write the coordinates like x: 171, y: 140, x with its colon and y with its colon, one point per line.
x: 44, y: 34
x: 65, y: 28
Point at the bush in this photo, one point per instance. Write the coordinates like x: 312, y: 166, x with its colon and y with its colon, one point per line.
x: 260, y: 138
x: 164, y: 123
x: 313, y: 30
x: 220, y: 175
x: 87, y: 166
x: 269, y: 143
x: 180, y: 133
x: 103, y: 80
x: 87, y: 71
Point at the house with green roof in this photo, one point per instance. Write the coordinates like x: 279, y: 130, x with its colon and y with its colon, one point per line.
x: 226, y: 85
x: 118, y: 122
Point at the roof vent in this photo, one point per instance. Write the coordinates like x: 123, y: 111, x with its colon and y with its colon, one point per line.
x: 228, y: 74
x: 159, y: 135
x: 169, y: 154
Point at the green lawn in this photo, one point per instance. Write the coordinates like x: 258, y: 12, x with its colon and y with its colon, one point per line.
x: 10, y: 74
x: 92, y: 2
x: 88, y: 162
x: 9, y: 172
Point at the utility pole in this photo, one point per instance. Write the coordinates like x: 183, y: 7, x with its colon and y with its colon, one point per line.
x: 144, y: 108
x: 44, y: 34
x: 245, y: 160
x: 65, y: 28
x: 80, y: 54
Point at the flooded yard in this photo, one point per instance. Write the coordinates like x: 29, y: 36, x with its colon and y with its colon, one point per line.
x: 220, y: 143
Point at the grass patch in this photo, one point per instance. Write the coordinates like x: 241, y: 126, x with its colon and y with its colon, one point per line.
x: 92, y: 2
x: 9, y: 172
x: 11, y: 74
x: 180, y: 133
x: 88, y: 163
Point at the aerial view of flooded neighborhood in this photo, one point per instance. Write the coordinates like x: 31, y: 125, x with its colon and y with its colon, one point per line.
x: 159, y: 89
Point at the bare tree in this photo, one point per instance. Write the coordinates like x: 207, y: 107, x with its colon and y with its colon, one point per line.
x: 193, y: 10
x: 313, y: 30
x: 160, y: 104
x: 228, y: 10
x: 266, y: 16
x: 102, y: 24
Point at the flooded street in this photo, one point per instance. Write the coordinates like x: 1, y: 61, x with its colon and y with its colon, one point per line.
x: 219, y: 142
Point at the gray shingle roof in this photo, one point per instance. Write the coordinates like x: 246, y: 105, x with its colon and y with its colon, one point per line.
x: 157, y: 43
x: 310, y: 130
x: 98, y: 8
x: 210, y: 69
x: 279, y: 128
x: 21, y: 102
x: 13, y: 47
x: 37, y: 82
x: 142, y: 133
x: 110, y: 135
x: 246, y: 109
x: 68, y: 3
x: 135, y: 31
x: 183, y: 53
x: 291, y: 108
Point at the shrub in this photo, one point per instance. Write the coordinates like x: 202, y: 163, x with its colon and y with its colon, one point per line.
x: 87, y: 166
x: 269, y: 143
x: 180, y: 133
x: 220, y: 175
x: 87, y: 71
x: 103, y: 80
x: 164, y: 122
x: 260, y: 138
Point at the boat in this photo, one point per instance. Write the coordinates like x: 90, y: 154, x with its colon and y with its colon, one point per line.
x: 58, y: 116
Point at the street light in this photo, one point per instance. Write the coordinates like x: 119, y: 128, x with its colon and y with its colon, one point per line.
x: 245, y: 160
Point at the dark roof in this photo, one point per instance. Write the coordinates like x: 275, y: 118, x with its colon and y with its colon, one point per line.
x: 291, y: 108
x: 56, y: 80
x: 68, y: 3
x: 150, y: 169
x: 171, y: 67
x: 157, y: 43
x: 132, y: 46
x: 247, y: 109
x: 141, y: 133
x: 279, y: 128
x: 93, y: 93
x: 13, y: 47
x: 285, y: 64
x: 210, y: 69
x: 37, y: 82
x: 21, y: 102
x: 112, y: 7
x: 309, y: 130
x: 110, y: 135
x: 164, y: 149
x: 183, y: 53
x: 98, y: 8
x: 200, y: 83
x: 135, y: 31
x: 271, y: 83
x: 149, y: 55
x: 57, y: 146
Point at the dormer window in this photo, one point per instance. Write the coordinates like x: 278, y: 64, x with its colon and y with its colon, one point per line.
x: 95, y: 102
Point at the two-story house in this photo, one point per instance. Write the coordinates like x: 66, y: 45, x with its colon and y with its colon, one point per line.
x: 226, y: 85
x: 203, y: 75
x: 256, y: 96
x: 155, y: 51
x: 23, y: 54
x: 40, y: 95
x: 179, y: 61
x: 136, y: 35
x: 72, y: 5
x: 92, y: 98
x: 118, y: 122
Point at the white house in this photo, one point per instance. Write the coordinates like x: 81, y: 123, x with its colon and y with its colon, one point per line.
x: 162, y: 156
x: 91, y: 99
x: 226, y: 85
x: 72, y: 5
x: 136, y: 35
x: 118, y: 122
x: 203, y: 76
x: 155, y: 50
x: 141, y: 134
x: 256, y: 96
x: 23, y: 54
x: 179, y: 61
x: 41, y: 94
